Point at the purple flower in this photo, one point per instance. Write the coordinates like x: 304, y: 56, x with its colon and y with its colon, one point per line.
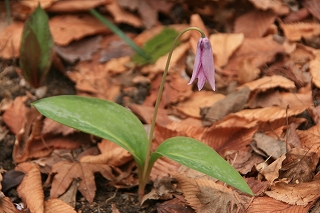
x: 203, y: 65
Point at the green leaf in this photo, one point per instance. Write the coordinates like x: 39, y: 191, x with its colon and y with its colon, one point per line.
x: 198, y: 156
x: 157, y: 46
x: 98, y: 117
x: 36, y: 51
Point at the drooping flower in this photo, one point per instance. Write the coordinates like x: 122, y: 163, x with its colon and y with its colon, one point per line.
x: 203, y: 64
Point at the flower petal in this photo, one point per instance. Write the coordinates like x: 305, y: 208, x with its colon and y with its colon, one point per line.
x: 197, y: 62
x: 207, y: 62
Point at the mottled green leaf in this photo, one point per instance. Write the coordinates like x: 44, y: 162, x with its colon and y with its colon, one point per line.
x: 198, y: 156
x: 101, y: 118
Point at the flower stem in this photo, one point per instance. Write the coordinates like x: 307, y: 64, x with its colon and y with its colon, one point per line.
x: 146, y: 169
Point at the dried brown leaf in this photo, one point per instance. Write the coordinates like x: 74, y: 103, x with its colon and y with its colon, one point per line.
x: 34, y: 3
x: 231, y: 103
x: 254, y: 23
x: 67, y: 28
x: 66, y: 171
x: 206, y: 196
x: 296, y: 31
x: 268, y: 82
x: 10, y: 40
x: 271, y: 172
x: 57, y: 205
x: 30, y: 190
x: 313, y: 7
x: 120, y: 15
x: 267, y: 204
x: 14, y: 117
x: 310, y: 138
x: 6, y: 206
x: 295, y: 194
x: 269, y: 145
x: 111, y: 154
x: 75, y: 5
x: 314, y: 68
x: 258, y: 51
x: 277, y: 6
x: 191, y: 106
x: 224, y: 46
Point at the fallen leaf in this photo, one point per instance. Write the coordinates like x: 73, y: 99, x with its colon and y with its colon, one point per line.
x: 175, y: 205
x: 267, y: 204
x: 75, y: 5
x: 224, y: 46
x: 6, y: 206
x: 233, y: 102
x: 57, y: 205
x: 191, y: 106
x: 296, y: 31
x: 310, y: 138
x: 65, y: 171
x: 254, y: 23
x: 314, y: 69
x: 111, y: 154
x: 277, y: 6
x: 295, y: 194
x: 32, y: 183
x: 207, y: 196
x: 79, y: 50
x: 10, y: 40
x: 271, y: 172
x: 258, y: 50
x: 272, y: 147
x: 267, y: 82
x: 67, y: 28
x: 122, y: 16
x: 313, y: 7
x: 34, y: 3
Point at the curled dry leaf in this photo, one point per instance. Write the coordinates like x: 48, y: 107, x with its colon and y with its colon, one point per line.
x: 267, y: 204
x: 258, y: 50
x: 313, y: 7
x: 65, y: 171
x: 57, y: 205
x: 111, y: 154
x: 75, y: 5
x: 224, y: 46
x: 34, y: 3
x: 315, y: 69
x: 191, y: 106
x: 277, y: 6
x: 269, y: 145
x: 271, y: 172
x: 10, y: 40
x: 310, y: 138
x: 254, y: 23
x: 268, y: 82
x: 67, y: 28
x: 295, y: 194
x: 14, y: 117
x: 123, y: 16
x: 296, y: 31
x: 231, y: 103
x: 206, y: 196
x: 6, y: 206
x: 243, y: 161
x: 30, y: 190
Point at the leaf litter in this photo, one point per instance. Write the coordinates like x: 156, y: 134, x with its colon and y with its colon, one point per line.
x: 264, y: 117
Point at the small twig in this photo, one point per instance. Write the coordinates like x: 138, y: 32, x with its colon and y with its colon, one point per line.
x: 112, y: 197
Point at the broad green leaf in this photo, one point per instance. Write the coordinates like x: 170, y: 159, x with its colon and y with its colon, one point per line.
x: 198, y: 156
x: 36, y: 51
x: 157, y: 46
x: 98, y: 117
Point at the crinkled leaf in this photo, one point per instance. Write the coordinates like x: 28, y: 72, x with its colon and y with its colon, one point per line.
x: 36, y: 49
x: 98, y: 117
x: 198, y: 156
